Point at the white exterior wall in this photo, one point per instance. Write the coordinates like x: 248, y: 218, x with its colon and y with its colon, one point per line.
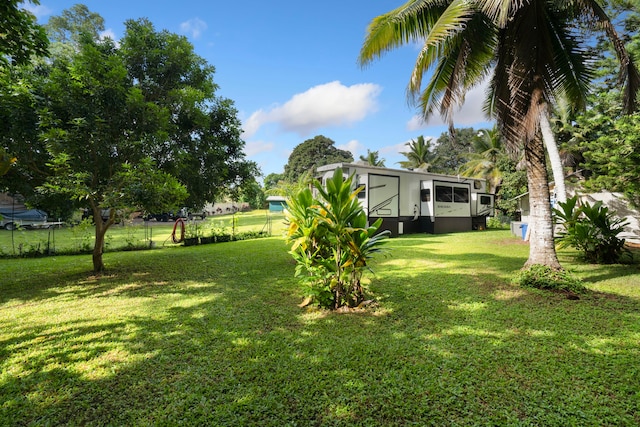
x: 395, y: 195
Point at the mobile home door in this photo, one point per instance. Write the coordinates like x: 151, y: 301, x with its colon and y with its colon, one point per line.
x: 384, y: 201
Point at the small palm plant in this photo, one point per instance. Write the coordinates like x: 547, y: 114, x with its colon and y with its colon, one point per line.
x: 419, y: 155
x: 372, y: 159
x: 331, y: 242
x: 593, y: 230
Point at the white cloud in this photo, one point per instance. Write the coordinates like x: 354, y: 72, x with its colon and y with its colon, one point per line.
x: 468, y: 115
x: 110, y: 34
x: 251, y: 125
x: 354, y: 147
x: 195, y: 27
x: 330, y: 104
x: 393, y: 149
x: 255, y: 147
x: 39, y: 11
x: 416, y: 123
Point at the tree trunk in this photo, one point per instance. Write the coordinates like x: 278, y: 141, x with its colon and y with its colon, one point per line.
x: 98, y: 248
x: 542, y: 249
x: 101, y: 230
x: 554, y: 156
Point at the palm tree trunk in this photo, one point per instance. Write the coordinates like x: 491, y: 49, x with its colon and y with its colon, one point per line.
x: 542, y: 248
x: 554, y: 156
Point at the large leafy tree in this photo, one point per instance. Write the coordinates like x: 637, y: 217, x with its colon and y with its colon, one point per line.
x: 89, y: 122
x: 20, y: 39
x: 189, y: 131
x: 451, y: 154
x: 533, y: 52
x: 73, y: 24
x: 314, y: 152
x: 272, y: 180
x: 20, y: 36
x: 21, y: 89
x: 133, y: 125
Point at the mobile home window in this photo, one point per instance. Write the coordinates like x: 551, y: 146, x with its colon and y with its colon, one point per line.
x: 425, y: 195
x: 460, y: 195
x: 485, y: 200
x: 444, y: 194
x: 363, y: 193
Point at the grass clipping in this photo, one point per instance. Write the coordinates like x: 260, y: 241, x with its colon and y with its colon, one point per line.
x: 544, y: 277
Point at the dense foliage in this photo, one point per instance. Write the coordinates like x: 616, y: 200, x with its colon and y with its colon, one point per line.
x: 331, y: 241
x: 130, y: 125
x: 450, y: 153
x: 314, y: 152
x: 613, y: 158
x: 599, y: 144
x: 513, y: 186
x: 591, y: 229
x: 20, y: 35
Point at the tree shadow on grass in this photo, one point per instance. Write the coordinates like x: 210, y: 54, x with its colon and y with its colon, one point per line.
x: 29, y: 284
x: 430, y: 362
x: 230, y: 347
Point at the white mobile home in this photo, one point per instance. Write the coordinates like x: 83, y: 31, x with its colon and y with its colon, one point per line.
x: 418, y: 202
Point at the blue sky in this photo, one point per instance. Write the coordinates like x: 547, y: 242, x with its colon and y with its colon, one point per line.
x: 291, y: 69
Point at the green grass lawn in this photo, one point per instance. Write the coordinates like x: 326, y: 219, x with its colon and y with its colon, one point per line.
x: 213, y: 335
x: 137, y: 234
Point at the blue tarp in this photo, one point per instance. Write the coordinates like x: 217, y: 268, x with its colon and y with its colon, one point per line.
x: 23, y: 215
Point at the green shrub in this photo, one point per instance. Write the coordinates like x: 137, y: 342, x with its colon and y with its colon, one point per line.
x: 248, y: 235
x: 593, y: 230
x: 331, y: 242
x: 496, y: 222
x: 544, y: 277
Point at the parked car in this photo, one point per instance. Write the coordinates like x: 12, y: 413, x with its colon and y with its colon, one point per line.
x: 104, y: 213
x: 167, y: 216
x: 202, y: 214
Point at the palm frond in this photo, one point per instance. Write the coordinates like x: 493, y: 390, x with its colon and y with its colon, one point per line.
x: 499, y: 11
x: 401, y: 26
x: 462, y: 63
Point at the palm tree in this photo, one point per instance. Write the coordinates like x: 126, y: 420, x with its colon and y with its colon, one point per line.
x: 483, y: 161
x: 533, y: 52
x: 372, y: 159
x: 419, y: 155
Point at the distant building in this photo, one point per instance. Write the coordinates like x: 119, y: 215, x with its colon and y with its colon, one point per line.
x: 11, y: 202
x: 276, y: 203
